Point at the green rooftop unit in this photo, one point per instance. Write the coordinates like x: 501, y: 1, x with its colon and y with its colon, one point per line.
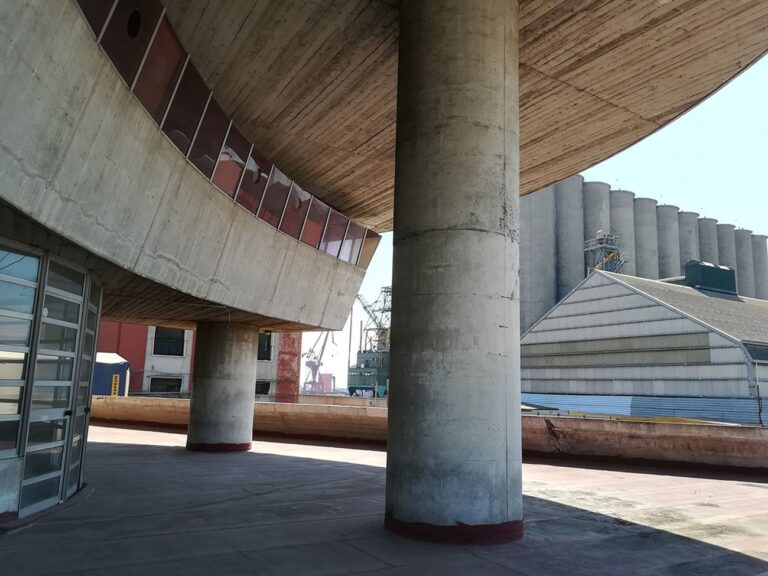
x: 706, y: 276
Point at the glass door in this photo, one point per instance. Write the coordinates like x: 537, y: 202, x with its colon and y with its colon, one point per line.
x: 53, y: 388
x: 82, y: 400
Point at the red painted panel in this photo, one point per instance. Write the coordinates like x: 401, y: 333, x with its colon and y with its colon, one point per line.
x: 130, y: 342
x: 288, y: 367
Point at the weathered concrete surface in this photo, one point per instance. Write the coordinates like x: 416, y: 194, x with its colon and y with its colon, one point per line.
x: 745, y: 263
x: 569, y: 205
x: 686, y: 443
x: 622, y: 204
x: 80, y: 156
x: 220, y: 413
x: 292, y: 509
x: 597, y: 209
x: 646, y: 238
x: 669, y: 240
x: 538, y: 260
x: 455, y: 371
x: 688, y: 224
x: 708, y: 245
x: 760, y: 255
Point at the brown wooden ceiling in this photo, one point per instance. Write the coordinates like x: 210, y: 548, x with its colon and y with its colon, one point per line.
x: 313, y: 82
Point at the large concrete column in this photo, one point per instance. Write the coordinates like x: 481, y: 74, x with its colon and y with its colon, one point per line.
x: 646, y: 239
x: 745, y: 264
x: 597, y: 209
x: 688, y: 230
x: 538, y: 281
x: 221, y: 408
x: 569, y: 205
x: 760, y: 256
x: 669, y: 240
x: 708, y: 247
x: 726, y: 245
x: 454, y: 446
x: 623, y: 223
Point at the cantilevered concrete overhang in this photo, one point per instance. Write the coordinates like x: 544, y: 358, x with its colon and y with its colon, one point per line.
x: 314, y: 83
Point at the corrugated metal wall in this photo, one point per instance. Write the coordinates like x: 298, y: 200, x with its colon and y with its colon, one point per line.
x: 606, y: 339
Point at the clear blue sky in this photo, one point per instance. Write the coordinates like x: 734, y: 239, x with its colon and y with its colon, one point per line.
x: 712, y: 160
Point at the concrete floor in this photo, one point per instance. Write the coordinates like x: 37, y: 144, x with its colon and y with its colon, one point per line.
x: 156, y: 509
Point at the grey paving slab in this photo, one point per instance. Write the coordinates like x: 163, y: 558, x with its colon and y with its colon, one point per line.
x: 304, y: 510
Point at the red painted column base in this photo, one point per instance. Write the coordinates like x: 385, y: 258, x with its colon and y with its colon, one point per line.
x: 458, y: 534
x: 203, y: 447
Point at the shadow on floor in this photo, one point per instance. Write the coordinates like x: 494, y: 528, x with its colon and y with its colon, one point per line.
x: 160, y: 510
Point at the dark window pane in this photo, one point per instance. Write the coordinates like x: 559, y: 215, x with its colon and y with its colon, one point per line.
x: 46, y: 431
x: 169, y: 342
x: 85, y: 371
x: 295, y: 211
x: 53, y: 368
x: 274, y: 197
x: 14, y: 331
x: 257, y: 172
x: 50, y: 397
x: 54, y: 337
x: 350, y: 248
x: 74, y: 478
x: 369, y: 248
x: 80, y: 424
x: 95, y: 295
x: 128, y: 34
x: 65, y: 279
x: 160, y: 73
x: 265, y: 347
x: 231, y: 162
x: 42, y: 462
x: 82, y: 395
x: 12, y: 365
x: 39, y: 491
x: 334, y: 233
x: 165, y: 385
x: 9, y: 432
x: 19, y: 265
x: 90, y: 321
x: 95, y: 12
x: 262, y: 387
x: 17, y: 298
x: 10, y: 399
x: 313, y: 229
x: 186, y: 109
x: 59, y: 309
x: 88, y: 344
x: 75, y: 454
x: 210, y: 137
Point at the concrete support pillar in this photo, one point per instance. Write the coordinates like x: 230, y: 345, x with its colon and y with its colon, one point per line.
x: 538, y: 281
x: 597, y: 209
x: 669, y: 241
x: 646, y: 239
x: 454, y: 445
x: 708, y: 248
x: 221, y: 407
x: 688, y: 227
x: 760, y: 256
x: 623, y: 223
x: 569, y: 206
x: 745, y: 264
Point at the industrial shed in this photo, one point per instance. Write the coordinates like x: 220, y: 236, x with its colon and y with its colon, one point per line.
x: 630, y: 346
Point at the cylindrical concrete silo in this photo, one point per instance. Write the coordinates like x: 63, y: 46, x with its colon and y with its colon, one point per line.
x: 538, y: 285
x: 622, y: 210
x: 708, y: 240
x: 745, y: 264
x: 688, y: 225
x: 726, y: 246
x: 669, y: 240
x: 597, y: 209
x: 569, y: 207
x: 760, y: 256
x: 646, y: 239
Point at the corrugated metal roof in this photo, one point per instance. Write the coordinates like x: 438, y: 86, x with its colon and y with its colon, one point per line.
x: 745, y: 319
